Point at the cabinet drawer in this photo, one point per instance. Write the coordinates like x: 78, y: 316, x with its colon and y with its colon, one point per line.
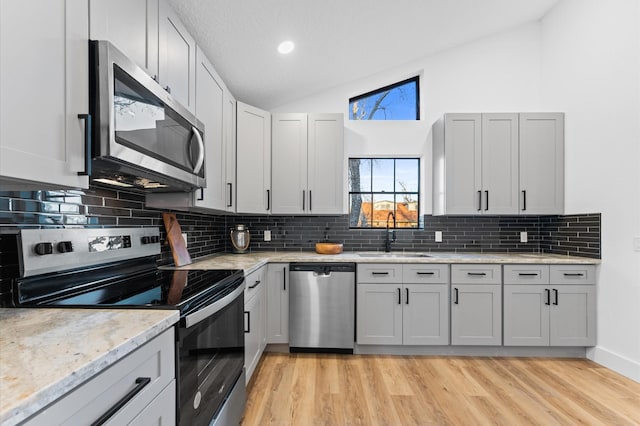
x: 476, y: 274
x: 573, y: 274
x: 379, y: 273
x: 154, y: 360
x: 526, y: 274
x: 425, y: 273
x: 254, y: 282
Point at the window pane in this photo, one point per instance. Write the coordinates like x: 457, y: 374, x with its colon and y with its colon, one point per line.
x: 360, y: 175
x: 383, y: 204
x: 383, y: 172
x: 406, y: 210
x: 398, y: 101
x: 360, y: 211
x: 407, y: 174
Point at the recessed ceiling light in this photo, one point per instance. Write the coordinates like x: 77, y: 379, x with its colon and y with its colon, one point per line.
x: 286, y: 47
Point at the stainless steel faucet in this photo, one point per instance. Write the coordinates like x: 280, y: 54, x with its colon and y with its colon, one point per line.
x: 390, y: 235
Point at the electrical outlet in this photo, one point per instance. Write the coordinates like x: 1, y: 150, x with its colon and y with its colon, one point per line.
x: 267, y: 235
x: 438, y: 236
x: 184, y: 237
x: 524, y: 238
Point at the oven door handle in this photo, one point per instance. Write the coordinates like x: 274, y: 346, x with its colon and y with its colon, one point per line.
x: 211, y: 309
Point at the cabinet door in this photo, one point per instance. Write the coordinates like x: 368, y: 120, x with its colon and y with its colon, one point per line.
x: 278, y: 303
x: 379, y: 314
x: 131, y: 25
x: 325, y: 163
x: 289, y: 163
x: 463, y: 163
x: 253, y: 166
x: 425, y: 315
x: 44, y: 86
x: 573, y: 315
x: 254, y: 332
x: 500, y: 163
x: 229, y: 116
x: 542, y: 163
x: 526, y: 315
x: 177, y: 57
x: 476, y: 314
x: 209, y: 110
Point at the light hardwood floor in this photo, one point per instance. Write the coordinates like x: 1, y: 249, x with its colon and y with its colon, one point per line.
x: 314, y: 389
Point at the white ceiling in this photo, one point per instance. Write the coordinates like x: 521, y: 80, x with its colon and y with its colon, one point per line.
x: 337, y: 41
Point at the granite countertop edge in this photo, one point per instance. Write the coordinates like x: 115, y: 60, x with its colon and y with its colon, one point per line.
x: 252, y: 261
x: 29, y: 400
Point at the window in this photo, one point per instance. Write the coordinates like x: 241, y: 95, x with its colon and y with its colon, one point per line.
x: 381, y: 186
x: 398, y: 101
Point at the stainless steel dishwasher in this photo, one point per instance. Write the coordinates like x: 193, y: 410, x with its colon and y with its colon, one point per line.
x: 321, y: 307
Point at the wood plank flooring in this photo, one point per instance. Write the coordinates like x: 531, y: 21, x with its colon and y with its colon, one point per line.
x: 324, y: 389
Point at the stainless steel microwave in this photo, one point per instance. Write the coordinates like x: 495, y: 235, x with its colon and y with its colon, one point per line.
x: 141, y: 137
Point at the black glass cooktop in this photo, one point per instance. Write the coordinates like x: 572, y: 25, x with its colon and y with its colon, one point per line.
x: 128, y: 284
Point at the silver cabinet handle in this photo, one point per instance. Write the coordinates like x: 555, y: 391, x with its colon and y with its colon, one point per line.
x: 87, y: 144
x: 200, y: 160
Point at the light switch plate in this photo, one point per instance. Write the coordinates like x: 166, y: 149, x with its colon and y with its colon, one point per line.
x: 438, y: 236
x: 267, y: 235
x: 636, y: 244
x: 184, y: 236
x: 524, y: 238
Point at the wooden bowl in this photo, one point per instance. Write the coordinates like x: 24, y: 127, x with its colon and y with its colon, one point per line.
x: 328, y: 248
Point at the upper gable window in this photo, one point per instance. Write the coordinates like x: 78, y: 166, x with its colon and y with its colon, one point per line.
x: 398, y: 101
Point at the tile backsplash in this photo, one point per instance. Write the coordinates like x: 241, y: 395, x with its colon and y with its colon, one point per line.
x: 207, y: 234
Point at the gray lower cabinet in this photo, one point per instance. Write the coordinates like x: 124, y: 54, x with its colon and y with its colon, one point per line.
x: 255, y: 310
x: 476, y: 305
x: 549, y: 305
x: 278, y: 303
x: 412, y: 309
x: 155, y: 403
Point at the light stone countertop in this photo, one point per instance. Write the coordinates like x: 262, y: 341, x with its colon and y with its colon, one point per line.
x: 47, y: 352
x: 249, y: 262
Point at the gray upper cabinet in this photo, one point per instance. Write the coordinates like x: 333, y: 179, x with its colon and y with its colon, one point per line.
x: 177, y: 57
x: 214, y: 110
x: 542, y: 163
x: 229, y: 116
x: 131, y: 25
x: 307, y: 163
x: 497, y: 163
x: 43, y: 80
x: 253, y: 166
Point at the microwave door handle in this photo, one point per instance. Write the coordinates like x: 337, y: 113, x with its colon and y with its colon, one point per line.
x: 200, y: 160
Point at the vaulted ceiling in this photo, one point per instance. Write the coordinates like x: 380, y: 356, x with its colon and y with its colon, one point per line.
x: 337, y: 41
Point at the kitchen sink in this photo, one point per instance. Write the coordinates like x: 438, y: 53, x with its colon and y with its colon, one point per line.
x: 394, y: 255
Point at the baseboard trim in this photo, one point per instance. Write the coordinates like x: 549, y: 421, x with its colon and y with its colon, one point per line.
x: 495, y: 351
x: 613, y: 361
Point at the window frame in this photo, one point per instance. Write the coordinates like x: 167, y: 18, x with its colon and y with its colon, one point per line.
x: 394, y: 194
x: 415, y: 79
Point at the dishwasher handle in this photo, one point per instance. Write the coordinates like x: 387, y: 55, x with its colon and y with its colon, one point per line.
x: 322, y: 268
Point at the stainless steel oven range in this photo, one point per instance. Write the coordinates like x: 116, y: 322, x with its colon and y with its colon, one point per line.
x: 117, y: 268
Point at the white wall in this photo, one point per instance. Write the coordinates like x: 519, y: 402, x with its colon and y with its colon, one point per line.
x: 497, y: 73
x: 591, y: 70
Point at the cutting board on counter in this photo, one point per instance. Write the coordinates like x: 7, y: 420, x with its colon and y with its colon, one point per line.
x: 181, y: 256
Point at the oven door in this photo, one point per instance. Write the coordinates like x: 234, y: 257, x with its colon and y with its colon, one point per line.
x: 211, y: 359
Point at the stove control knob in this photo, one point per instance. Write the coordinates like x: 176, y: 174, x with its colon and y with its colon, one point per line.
x: 155, y: 239
x: 65, y: 247
x: 43, y: 248
x: 146, y: 240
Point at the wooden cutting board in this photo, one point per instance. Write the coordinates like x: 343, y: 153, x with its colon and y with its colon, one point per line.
x: 181, y: 256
